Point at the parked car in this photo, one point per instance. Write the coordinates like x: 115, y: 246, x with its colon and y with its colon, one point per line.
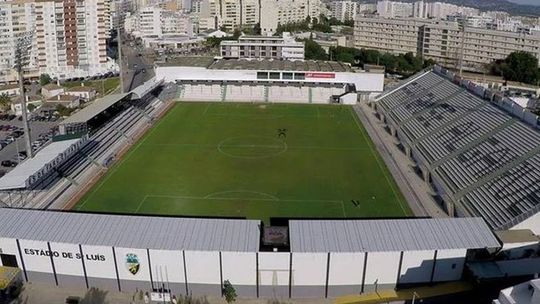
x: 8, y: 163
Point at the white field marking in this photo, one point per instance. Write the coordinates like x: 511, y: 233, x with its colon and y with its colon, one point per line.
x: 343, y: 208
x: 122, y: 160
x: 141, y: 203
x: 206, y: 109
x: 270, y: 154
x: 263, y: 146
x: 216, y: 194
x: 239, y: 199
x: 368, y: 141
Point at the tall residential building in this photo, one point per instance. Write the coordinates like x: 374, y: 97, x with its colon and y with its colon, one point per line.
x: 155, y: 22
x: 229, y: 13
x: 391, y: 9
x: 441, y: 10
x: 276, y: 12
x: 263, y: 47
x: 344, y: 10
x: 68, y: 37
x: 441, y: 40
x: 17, y: 19
x: 72, y: 36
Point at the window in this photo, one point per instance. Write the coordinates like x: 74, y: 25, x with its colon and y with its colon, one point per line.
x: 274, y: 75
x: 262, y: 75
x: 299, y: 76
x: 287, y: 75
x: 454, y: 266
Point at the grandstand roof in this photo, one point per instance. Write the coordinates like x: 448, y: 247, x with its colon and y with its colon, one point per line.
x: 390, y: 235
x: 95, y: 108
x: 280, y: 65
x: 17, y: 178
x: 146, y: 87
x: 130, y: 231
x: 485, y: 160
x: 264, y: 64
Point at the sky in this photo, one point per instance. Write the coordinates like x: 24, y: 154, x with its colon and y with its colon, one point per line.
x: 531, y: 2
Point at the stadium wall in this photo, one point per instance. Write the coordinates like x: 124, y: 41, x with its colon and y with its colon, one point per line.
x: 253, y: 274
x: 364, y: 81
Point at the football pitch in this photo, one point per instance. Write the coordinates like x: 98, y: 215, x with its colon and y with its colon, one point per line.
x: 254, y: 161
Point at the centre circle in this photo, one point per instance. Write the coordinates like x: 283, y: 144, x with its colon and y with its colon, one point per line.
x: 252, y: 147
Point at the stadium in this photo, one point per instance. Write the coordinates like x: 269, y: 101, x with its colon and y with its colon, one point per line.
x: 266, y: 175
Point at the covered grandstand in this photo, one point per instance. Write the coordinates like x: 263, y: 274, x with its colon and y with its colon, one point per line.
x: 481, y: 160
x: 206, y: 79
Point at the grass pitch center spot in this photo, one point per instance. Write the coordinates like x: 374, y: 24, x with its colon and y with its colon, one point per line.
x: 252, y: 147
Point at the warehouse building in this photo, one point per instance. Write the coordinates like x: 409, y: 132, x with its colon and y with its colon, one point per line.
x: 194, y: 255
x: 206, y: 79
x: 481, y: 156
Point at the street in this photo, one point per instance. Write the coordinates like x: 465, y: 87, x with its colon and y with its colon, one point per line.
x: 136, y: 69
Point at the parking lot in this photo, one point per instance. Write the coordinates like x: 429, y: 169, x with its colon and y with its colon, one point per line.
x: 12, y: 139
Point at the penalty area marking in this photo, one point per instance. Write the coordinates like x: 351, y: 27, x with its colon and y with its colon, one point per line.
x: 211, y: 197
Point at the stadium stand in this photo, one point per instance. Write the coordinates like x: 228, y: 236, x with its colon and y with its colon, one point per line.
x: 482, y: 160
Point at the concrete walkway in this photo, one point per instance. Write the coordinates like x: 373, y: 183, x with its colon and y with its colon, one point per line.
x: 385, y: 296
x: 45, y: 294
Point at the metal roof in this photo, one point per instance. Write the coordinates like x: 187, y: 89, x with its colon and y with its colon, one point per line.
x: 93, y: 109
x: 145, y: 88
x: 390, y: 235
x: 280, y: 65
x: 483, y: 159
x: 16, y: 178
x: 130, y: 231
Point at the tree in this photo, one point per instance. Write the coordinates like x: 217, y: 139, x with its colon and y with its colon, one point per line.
x: 229, y: 292
x: 314, y: 51
x: 31, y: 107
x: 44, y: 79
x: 518, y: 66
x: 5, y: 102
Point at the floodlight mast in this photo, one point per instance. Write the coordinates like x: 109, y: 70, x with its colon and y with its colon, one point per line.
x: 22, y: 48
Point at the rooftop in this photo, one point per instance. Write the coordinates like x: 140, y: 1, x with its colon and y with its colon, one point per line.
x: 8, y: 87
x: 52, y: 86
x: 93, y: 109
x: 280, y: 65
x: 81, y: 89
x: 63, y: 98
x: 18, y: 177
x: 517, y: 236
x: 484, y: 159
x: 265, y: 64
x: 390, y: 235
x: 130, y: 231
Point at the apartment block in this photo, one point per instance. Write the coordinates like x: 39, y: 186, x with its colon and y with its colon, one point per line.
x: 347, y: 9
x: 391, y: 9
x: 442, y: 41
x: 263, y: 47
x: 156, y: 22
x: 276, y: 12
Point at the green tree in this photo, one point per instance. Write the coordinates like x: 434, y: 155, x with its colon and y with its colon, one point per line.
x: 31, y: 107
x: 5, y: 102
x: 229, y: 292
x: 44, y: 79
x: 313, y: 51
x: 518, y: 66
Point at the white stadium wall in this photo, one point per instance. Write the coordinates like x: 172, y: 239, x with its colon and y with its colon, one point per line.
x: 253, y: 274
x: 346, y: 273
x: 532, y: 223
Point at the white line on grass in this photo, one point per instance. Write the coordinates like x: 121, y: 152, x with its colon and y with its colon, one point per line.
x: 368, y: 141
x: 239, y: 198
x: 122, y: 160
x: 141, y: 203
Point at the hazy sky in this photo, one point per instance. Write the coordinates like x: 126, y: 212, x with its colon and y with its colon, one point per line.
x: 531, y: 2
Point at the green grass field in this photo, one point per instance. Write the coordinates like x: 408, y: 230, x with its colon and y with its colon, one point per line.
x: 210, y: 159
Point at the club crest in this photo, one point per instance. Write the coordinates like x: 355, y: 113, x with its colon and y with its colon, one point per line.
x: 132, y: 263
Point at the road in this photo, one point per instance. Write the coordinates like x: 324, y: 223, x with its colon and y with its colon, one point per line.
x: 134, y: 65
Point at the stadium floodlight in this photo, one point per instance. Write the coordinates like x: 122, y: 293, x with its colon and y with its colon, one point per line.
x: 23, y: 45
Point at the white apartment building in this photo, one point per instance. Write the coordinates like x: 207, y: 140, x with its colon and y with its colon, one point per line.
x: 155, y: 22
x: 441, y: 40
x: 68, y: 38
x: 391, y: 9
x: 119, y: 9
x: 275, y: 12
x: 263, y: 47
x: 71, y: 37
x: 441, y: 10
x: 230, y: 14
x: 344, y: 10
x: 16, y: 20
